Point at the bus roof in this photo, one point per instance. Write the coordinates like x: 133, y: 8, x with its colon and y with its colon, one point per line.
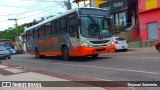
x: 58, y: 16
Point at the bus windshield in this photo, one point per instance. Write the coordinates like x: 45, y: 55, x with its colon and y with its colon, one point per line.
x: 95, y: 27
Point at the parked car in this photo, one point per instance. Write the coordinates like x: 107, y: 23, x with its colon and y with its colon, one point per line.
x: 11, y: 50
x: 157, y: 46
x: 4, y: 53
x: 120, y: 43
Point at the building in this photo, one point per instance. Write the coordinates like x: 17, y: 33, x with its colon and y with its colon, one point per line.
x: 20, y: 44
x: 149, y: 17
x: 123, y: 12
x: 92, y: 3
x: 96, y: 3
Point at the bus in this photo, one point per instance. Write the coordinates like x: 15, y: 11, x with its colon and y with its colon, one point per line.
x: 78, y: 32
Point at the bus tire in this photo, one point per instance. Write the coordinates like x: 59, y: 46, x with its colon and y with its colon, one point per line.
x: 95, y: 56
x: 65, y: 53
x: 38, y: 56
x: 9, y: 57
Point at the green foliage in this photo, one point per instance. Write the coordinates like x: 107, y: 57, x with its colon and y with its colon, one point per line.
x: 12, y: 33
x: 118, y: 27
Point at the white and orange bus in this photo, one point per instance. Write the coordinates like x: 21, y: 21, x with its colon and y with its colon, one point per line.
x: 78, y: 32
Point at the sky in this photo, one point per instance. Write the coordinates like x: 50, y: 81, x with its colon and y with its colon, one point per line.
x: 28, y: 10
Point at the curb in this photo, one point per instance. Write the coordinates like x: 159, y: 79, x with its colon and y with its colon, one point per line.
x: 74, y: 78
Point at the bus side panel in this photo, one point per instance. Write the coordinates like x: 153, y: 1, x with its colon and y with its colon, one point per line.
x: 29, y: 47
x: 53, y: 45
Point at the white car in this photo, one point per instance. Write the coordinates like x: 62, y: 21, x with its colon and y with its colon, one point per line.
x: 120, y: 43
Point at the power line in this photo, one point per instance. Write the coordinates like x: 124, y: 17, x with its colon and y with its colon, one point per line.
x: 37, y: 13
x: 16, y: 6
x: 37, y: 1
x: 34, y: 14
x: 3, y: 5
x: 25, y: 12
x: 59, y: 4
x: 30, y: 15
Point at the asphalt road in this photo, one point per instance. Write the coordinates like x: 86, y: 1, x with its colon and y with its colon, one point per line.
x: 133, y: 65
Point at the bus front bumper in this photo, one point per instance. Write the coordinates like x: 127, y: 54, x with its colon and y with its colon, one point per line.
x: 85, y: 51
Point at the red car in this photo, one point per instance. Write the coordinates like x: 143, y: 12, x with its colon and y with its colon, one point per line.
x: 158, y: 45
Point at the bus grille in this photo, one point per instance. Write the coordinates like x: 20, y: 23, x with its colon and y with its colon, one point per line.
x: 100, y: 42
x: 100, y: 49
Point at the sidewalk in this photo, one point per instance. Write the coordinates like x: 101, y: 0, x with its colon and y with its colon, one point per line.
x: 143, y: 50
x: 17, y: 73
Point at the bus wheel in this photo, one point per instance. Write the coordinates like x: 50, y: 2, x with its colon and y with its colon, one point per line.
x: 95, y: 55
x: 65, y: 53
x: 37, y: 54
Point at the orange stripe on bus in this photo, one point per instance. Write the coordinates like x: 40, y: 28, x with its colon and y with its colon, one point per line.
x: 80, y: 51
x: 32, y: 53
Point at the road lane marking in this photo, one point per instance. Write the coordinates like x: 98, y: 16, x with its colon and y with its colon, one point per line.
x: 116, y: 69
x: 135, y: 57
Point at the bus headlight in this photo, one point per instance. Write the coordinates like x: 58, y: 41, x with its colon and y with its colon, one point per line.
x: 113, y: 43
x: 86, y: 44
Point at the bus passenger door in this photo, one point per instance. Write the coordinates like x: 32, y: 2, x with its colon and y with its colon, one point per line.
x: 73, y: 32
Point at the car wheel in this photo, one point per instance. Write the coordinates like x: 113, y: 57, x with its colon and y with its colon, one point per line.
x: 124, y: 50
x: 65, y: 53
x: 159, y: 48
x: 9, y: 57
x: 95, y: 56
x: 116, y: 50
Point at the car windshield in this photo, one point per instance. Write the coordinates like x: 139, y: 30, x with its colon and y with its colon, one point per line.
x: 119, y: 39
x: 2, y: 43
x: 94, y: 27
x: 3, y: 49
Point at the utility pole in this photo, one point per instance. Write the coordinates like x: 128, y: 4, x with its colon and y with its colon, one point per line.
x: 16, y: 26
x: 68, y: 5
x: 17, y: 37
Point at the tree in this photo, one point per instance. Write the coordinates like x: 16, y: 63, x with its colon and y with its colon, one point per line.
x: 11, y: 34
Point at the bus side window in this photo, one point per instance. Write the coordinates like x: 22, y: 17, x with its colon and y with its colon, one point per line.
x: 41, y: 31
x: 27, y: 35
x: 55, y: 27
x: 63, y: 25
x: 47, y: 28
x: 31, y: 35
x: 35, y: 33
x: 38, y: 32
x: 50, y: 28
x: 72, y: 25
